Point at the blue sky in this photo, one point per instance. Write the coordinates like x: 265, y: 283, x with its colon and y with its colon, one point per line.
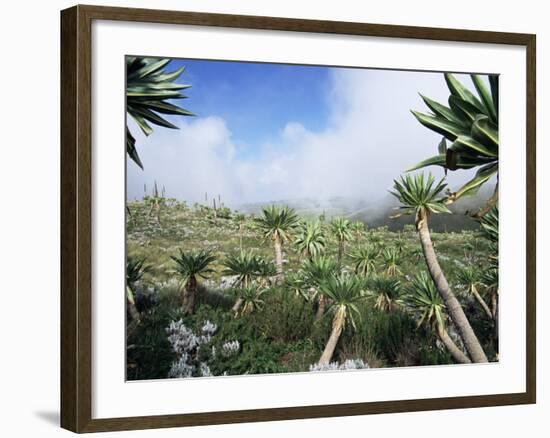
x: 256, y: 99
x: 272, y: 132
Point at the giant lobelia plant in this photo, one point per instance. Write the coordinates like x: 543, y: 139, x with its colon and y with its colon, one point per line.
x: 470, y: 124
x: 421, y: 196
x: 149, y: 88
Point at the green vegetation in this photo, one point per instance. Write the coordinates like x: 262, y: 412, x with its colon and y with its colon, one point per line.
x: 341, y: 228
x: 276, y: 224
x: 422, y: 197
x: 189, y: 266
x: 352, y: 311
x: 310, y: 241
x: 471, y: 124
x: 135, y: 268
x: 344, y: 292
x: 211, y: 291
x: 386, y: 292
x: 148, y: 89
x: 426, y: 302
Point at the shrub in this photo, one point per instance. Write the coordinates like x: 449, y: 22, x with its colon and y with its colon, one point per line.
x: 286, y: 317
x: 349, y: 364
x: 187, y: 346
x: 394, y: 334
x: 224, y: 213
x: 148, y: 352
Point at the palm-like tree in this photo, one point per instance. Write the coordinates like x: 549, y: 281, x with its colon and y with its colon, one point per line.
x: 386, y: 292
x: 345, y: 292
x: 423, y: 299
x: 489, y: 225
x: 470, y: 278
x: 489, y: 279
x: 266, y: 271
x: 471, y: 124
x: 276, y: 224
x: 251, y: 298
x: 421, y: 196
x: 149, y: 88
x: 296, y: 283
x: 358, y: 228
x: 135, y: 268
x: 364, y: 258
x: 392, y: 259
x: 490, y: 229
x: 240, y: 219
x: 244, y: 266
x: 400, y: 244
x: 375, y: 238
x: 416, y: 253
x: 310, y: 240
x: 317, y: 270
x: 341, y: 228
x: 190, y: 266
x: 155, y: 202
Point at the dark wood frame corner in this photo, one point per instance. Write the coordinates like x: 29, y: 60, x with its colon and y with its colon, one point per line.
x: 76, y: 238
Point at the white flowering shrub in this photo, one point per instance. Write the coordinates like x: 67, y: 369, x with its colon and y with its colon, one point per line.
x: 181, y: 368
x: 187, y: 345
x: 181, y: 338
x: 209, y: 328
x: 350, y: 364
x: 230, y: 348
x: 204, y: 370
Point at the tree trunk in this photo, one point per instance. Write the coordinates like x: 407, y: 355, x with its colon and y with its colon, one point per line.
x: 331, y: 343
x: 241, y: 236
x: 278, y: 258
x: 131, y: 304
x: 494, y: 305
x: 494, y: 312
x: 237, y: 305
x: 340, y: 252
x: 158, y: 215
x: 482, y: 302
x: 321, y: 308
x: 490, y: 203
x: 456, y: 352
x: 189, y: 296
x: 453, y: 306
x: 155, y: 206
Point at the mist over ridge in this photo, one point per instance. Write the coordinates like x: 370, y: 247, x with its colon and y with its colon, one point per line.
x: 343, y: 166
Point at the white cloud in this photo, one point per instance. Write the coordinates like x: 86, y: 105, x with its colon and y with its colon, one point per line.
x: 370, y: 139
x: 196, y: 158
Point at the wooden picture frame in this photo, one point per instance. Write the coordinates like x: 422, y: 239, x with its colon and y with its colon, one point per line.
x: 76, y: 217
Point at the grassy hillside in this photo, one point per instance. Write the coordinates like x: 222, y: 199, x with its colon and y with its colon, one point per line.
x: 281, y: 334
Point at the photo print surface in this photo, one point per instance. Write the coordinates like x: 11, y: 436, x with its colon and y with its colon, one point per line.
x: 295, y: 218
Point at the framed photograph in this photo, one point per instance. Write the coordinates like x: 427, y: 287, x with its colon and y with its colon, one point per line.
x: 268, y: 218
